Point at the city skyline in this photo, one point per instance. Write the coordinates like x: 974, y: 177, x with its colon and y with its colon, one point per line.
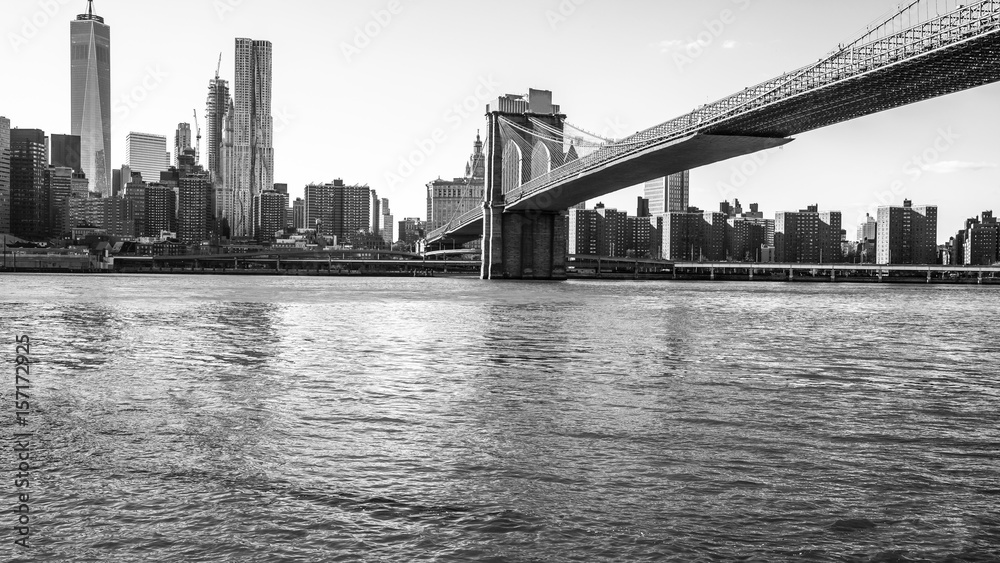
x: 940, y: 152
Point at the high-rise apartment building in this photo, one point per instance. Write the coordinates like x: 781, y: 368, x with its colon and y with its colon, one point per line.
x: 670, y: 194
x: 194, y: 219
x: 338, y: 210
x: 135, y: 193
x: 693, y: 235
x: 746, y: 233
x: 808, y: 236
x: 147, y: 154
x: 609, y: 232
x: 906, y: 235
x: 196, y: 222
x: 28, y: 196
x: 58, y: 190
x: 253, y: 128
x: 286, y: 214
x: 4, y: 175
x: 182, y: 141
x: 90, y: 51
x: 268, y: 215
x: 979, y: 243
x: 747, y: 236
x: 161, y: 210
x: 299, y: 213
x: 355, y: 205
x: 388, y: 228
x: 868, y: 231
x: 584, y: 232
x: 320, y: 213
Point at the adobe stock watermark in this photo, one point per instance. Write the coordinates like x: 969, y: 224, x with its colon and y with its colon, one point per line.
x: 741, y: 173
x: 685, y: 53
x: 225, y: 7
x: 915, y: 168
x: 614, y: 128
x: 133, y: 98
x: 365, y: 34
x: 282, y: 120
x: 563, y: 12
x: 471, y: 106
x: 30, y: 26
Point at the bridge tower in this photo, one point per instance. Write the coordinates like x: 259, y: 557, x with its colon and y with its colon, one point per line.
x: 526, y: 244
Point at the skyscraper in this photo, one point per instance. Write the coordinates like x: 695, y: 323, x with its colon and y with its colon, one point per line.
x: 670, y: 194
x: 28, y: 196
x: 58, y: 189
x: 90, y: 51
x: 387, y: 227
x: 223, y: 184
x: 283, y: 190
x: 65, y: 152
x: 4, y: 175
x: 299, y: 213
x: 161, y: 210
x: 215, y: 113
x: 182, y: 140
x: 253, y: 152
x: 147, y: 154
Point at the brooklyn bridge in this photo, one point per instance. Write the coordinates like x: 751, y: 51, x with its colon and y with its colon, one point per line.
x: 538, y: 164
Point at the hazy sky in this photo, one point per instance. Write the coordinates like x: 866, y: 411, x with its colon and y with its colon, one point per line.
x: 359, y: 86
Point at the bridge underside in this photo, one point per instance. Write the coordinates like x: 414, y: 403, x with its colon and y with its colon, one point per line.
x: 959, y: 67
x: 682, y: 154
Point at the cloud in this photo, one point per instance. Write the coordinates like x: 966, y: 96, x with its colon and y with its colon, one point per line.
x: 950, y: 166
x: 729, y: 44
x: 671, y: 45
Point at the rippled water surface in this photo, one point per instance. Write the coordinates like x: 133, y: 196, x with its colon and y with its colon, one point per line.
x: 281, y: 419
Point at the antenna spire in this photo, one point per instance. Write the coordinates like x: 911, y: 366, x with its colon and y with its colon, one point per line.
x: 90, y: 8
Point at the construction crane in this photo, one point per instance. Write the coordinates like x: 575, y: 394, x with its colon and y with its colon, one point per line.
x: 218, y: 67
x: 197, y: 146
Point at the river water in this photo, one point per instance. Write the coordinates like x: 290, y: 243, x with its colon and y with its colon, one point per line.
x: 277, y: 419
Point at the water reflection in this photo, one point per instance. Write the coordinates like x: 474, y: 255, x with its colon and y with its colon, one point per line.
x: 445, y: 420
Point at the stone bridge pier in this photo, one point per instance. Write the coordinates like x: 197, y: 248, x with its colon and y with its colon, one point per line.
x: 527, y: 244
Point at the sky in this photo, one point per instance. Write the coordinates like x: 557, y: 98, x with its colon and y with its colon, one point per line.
x: 391, y: 93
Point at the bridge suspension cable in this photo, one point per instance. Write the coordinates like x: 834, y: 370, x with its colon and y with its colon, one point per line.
x: 467, y: 194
